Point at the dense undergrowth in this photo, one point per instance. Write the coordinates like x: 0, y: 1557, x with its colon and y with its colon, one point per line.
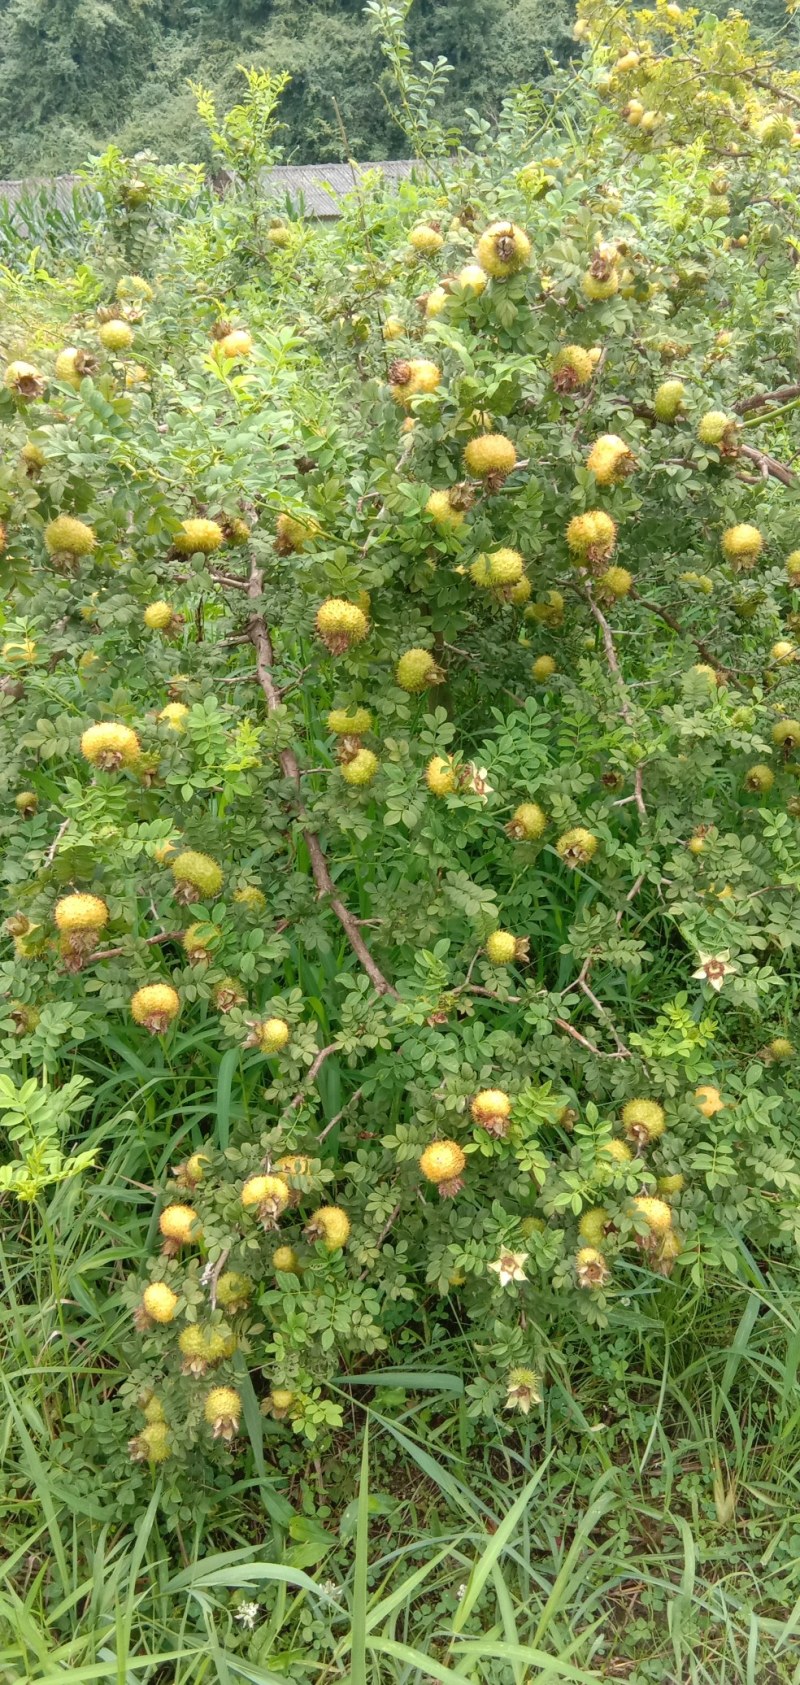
x: 400, y: 748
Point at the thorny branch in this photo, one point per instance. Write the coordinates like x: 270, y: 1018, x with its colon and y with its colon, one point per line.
x: 150, y: 942
x: 258, y: 633
x: 624, y: 701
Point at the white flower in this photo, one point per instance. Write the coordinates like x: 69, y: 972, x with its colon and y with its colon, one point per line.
x: 476, y: 779
x: 461, y: 1591
x: 331, y: 1588
x: 247, y: 1614
x: 714, y: 968
x: 509, y: 1267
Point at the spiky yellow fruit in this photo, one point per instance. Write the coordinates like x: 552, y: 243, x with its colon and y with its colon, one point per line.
x: 133, y: 286
x: 155, y: 1006
x: 709, y: 1100
x: 742, y: 544
x: 285, y: 1259
x: 425, y: 239
x: 269, y: 1195
x: 152, y: 1445
x: 528, y: 822
x: 714, y: 427
x: 71, y: 365
x: 33, y: 456
x: 592, y: 536
x: 67, y: 535
x: 157, y: 616
x: 197, y: 536
x: 592, y: 1226
x: 178, y: 1224
x: 80, y: 912
x: 759, y: 779
x: 294, y: 533
x: 202, y: 1348
x: 643, y: 1121
x: 596, y: 287
x: 416, y: 670
x: 472, y: 279
x: 616, y: 582
x: 251, y: 896
x: 345, y: 724
x: 519, y: 593
x: 617, y: 1151
x: 610, y: 459
x: 572, y: 367
x: 413, y: 378
x: 361, y: 768
x: 435, y: 302
x: 27, y: 803
x: 442, y: 512
x: 543, y: 669
x: 279, y: 235
x: 159, y: 1301
x: 222, y: 1411
x: 341, y: 624
x: 331, y: 1225
x: 115, y: 335
x: 440, y: 775
x: 491, y: 1108
x: 502, y: 250
x: 783, y: 652
x: 668, y: 1185
x: 236, y: 345
x: 490, y: 456
x: 273, y: 1035
x: 174, y: 715
x: 668, y: 399
x: 442, y: 1163
x: 577, y: 847
x: 774, y: 129
x: 792, y: 566
x: 393, y: 328
x: 24, y: 380
x: 497, y: 569
x: 197, y: 876
x: 655, y: 1212
x: 781, y: 1048
x: 786, y: 734
x: 110, y: 746
x: 501, y: 947
x: 233, y: 1291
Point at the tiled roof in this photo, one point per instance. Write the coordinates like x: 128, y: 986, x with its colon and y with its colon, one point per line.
x: 313, y: 189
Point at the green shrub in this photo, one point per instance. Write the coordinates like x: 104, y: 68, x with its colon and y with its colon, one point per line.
x: 399, y: 713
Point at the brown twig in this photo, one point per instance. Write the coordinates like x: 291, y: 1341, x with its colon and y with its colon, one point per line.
x: 616, y: 671
x: 212, y: 1273
x: 53, y: 849
x: 150, y: 942
x: 262, y: 643
x: 339, y: 1115
x: 781, y: 395
x: 768, y: 465
x: 670, y: 620
x: 569, y: 1030
x: 312, y: 1074
x: 388, y: 1225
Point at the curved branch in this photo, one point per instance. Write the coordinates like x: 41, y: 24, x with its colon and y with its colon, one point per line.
x: 781, y: 395
x: 259, y: 636
x: 616, y: 671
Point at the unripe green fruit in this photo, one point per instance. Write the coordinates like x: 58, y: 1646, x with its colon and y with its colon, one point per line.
x: 643, y: 1121
x: 528, y: 822
x: 759, y: 779
x: 26, y: 803
x: 543, y: 668
x: 668, y: 399
x: 616, y: 581
x: 781, y: 1048
x: 713, y: 427
x: 597, y: 288
x: 197, y: 876
x: 361, y: 769
x: 576, y: 847
x: 786, y: 734
x: 592, y: 1226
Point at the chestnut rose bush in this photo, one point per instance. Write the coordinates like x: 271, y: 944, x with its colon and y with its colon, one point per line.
x: 400, y: 714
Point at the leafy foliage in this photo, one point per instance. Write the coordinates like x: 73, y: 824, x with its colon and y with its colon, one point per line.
x: 399, y: 711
